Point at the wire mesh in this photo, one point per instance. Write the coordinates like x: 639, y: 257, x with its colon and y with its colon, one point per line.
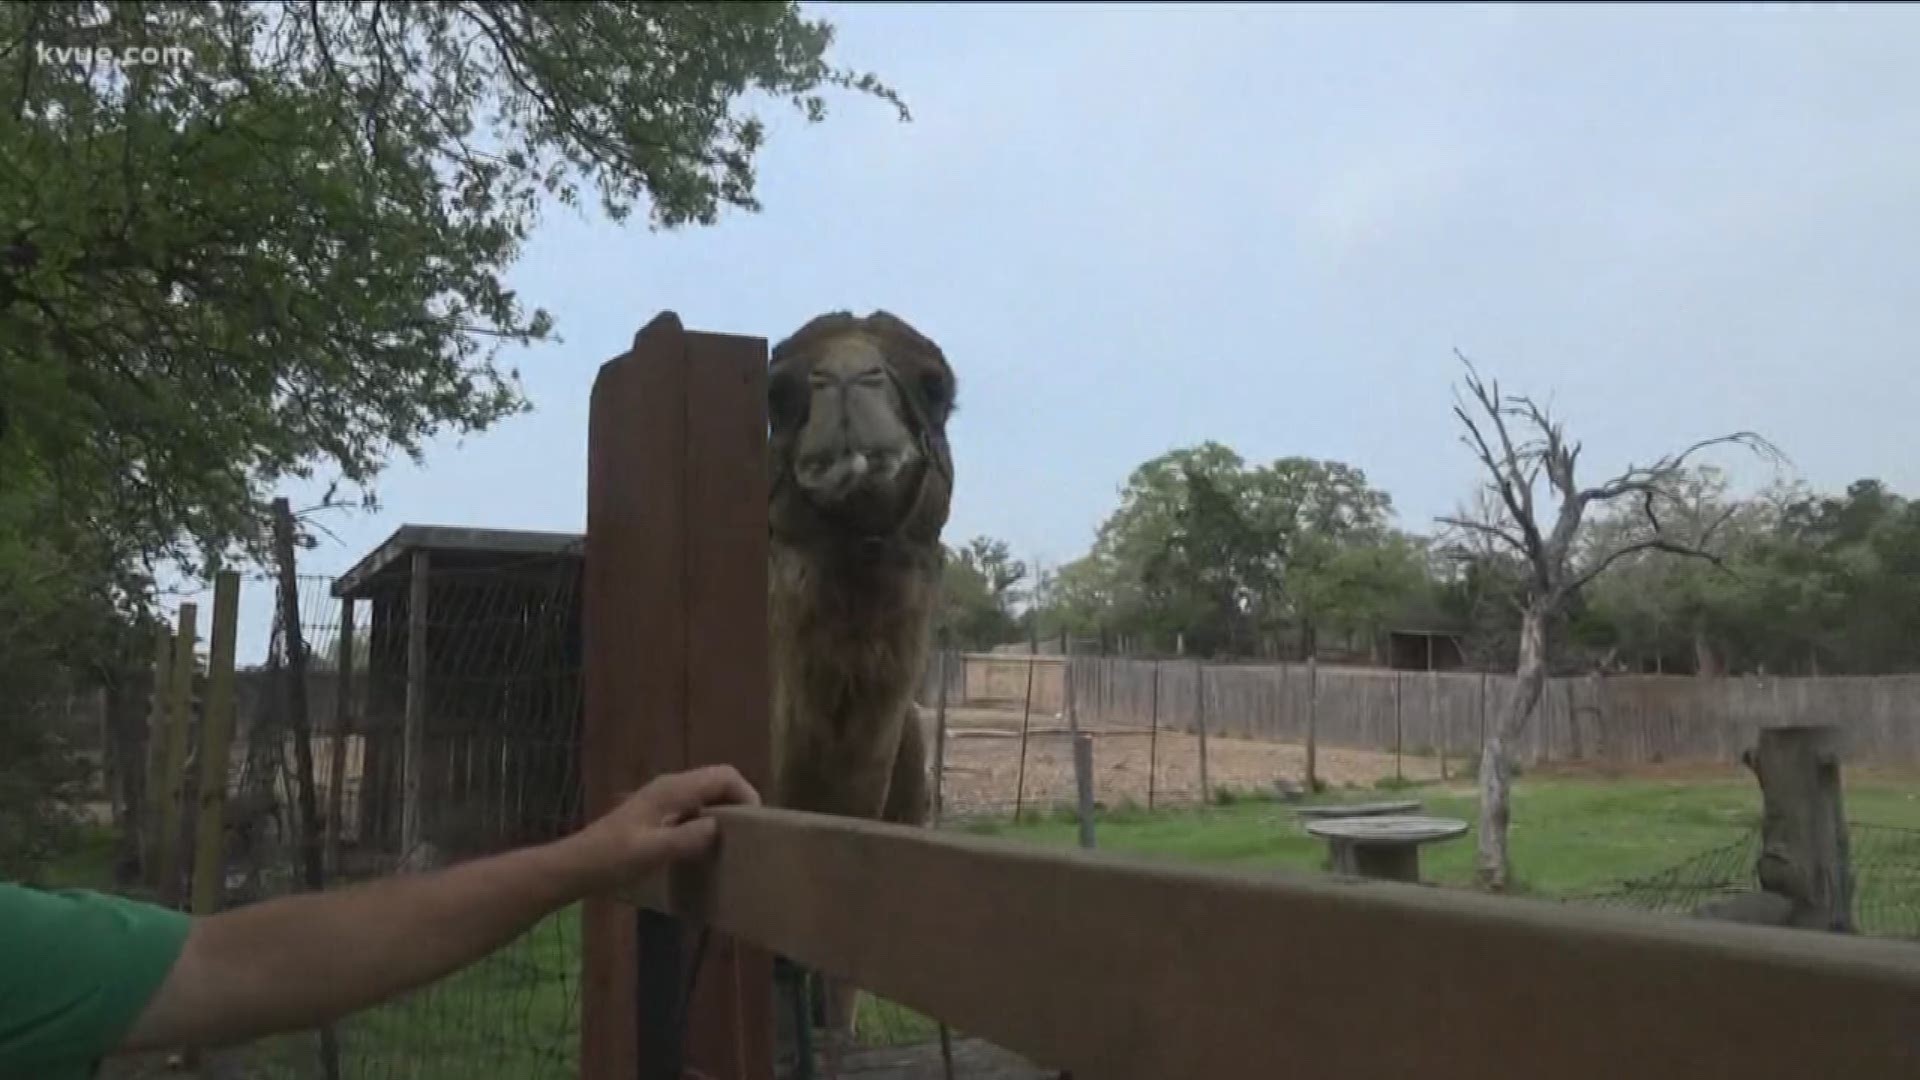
x: 1886, y: 868
x: 1010, y: 724
x: 494, y: 683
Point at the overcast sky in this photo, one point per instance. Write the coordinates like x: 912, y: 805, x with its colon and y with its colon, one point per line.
x: 1134, y: 228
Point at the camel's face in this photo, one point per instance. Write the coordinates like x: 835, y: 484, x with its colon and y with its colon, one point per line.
x: 858, y: 409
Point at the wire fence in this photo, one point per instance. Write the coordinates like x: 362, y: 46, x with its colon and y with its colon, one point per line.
x: 1886, y: 867
x: 1004, y: 727
x: 488, y: 671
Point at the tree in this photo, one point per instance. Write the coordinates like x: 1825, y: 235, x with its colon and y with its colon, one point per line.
x: 979, y: 590
x: 1357, y: 588
x: 280, y: 252
x: 1206, y: 547
x: 285, y: 253
x: 1810, y: 584
x: 1856, y: 562
x: 1557, y: 565
x: 1691, y: 613
x: 1307, y: 519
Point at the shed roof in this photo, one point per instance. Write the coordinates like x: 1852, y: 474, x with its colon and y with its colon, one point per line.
x: 459, y: 545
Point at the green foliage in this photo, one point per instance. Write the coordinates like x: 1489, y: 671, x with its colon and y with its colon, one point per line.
x: 1224, y: 554
x: 1805, y: 584
x: 979, y: 591
x: 285, y: 254
x: 279, y: 253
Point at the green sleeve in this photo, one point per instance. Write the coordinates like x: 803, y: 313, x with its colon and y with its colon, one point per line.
x: 76, y: 970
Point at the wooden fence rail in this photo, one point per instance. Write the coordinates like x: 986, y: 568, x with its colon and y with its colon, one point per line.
x: 1121, y: 967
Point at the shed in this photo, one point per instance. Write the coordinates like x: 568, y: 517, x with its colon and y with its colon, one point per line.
x: 1425, y: 649
x: 473, y: 659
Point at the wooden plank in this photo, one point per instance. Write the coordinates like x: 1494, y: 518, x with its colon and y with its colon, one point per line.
x: 174, y: 766
x: 1292, y: 974
x: 725, y: 537
x: 634, y: 643
x: 412, y: 735
x: 216, y: 743
x: 342, y: 730
x: 676, y: 555
x: 1083, y: 785
x: 155, y: 745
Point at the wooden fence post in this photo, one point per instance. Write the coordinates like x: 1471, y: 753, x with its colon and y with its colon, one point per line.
x: 216, y: 743
x: 1068, y: 704
x: 1153, y: 735
x: 1442, y: 730
x: 295, y: 686
x: 940, y: 732
x: 1083, y: 784
x: 173, y: 769
x: 413, y: 724
x: 1313, y: 724
x: 298, y: 703
x: 1399, y: 728
x: 156, y: 757
x: 1200, y: 726
x: 676, y: 557
x: 1026, y: 720
x: 342, y: 731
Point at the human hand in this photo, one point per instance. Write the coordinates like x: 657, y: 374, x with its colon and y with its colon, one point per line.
x: 661, y: 823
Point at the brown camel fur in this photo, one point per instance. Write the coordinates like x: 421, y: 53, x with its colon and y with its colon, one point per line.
x: 860, y: 479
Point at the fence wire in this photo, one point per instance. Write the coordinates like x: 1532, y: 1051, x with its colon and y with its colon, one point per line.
x: 495, y: 767
x: 1886, y: 866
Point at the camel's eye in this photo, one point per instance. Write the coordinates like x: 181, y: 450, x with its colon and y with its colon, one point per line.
x: 786, y: 395
x: 936, y: 391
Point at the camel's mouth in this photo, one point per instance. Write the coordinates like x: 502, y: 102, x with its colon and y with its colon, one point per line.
x: 839, y: 476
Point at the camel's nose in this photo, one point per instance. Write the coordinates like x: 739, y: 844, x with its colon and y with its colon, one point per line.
x: 834, y: 474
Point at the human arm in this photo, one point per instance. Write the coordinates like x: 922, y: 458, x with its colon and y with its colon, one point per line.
x: 300, y: 961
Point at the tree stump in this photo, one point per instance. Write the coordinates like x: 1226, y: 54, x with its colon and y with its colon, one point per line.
x: 1805, y: 867
x: 1804, y: 852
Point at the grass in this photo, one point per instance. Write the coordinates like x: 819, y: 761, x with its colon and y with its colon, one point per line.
x: 88, y: 864
x: 1568, y: 836
x: 514, y: 1014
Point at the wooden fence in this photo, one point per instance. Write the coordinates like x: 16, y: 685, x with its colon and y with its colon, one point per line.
x: 1625, y: 720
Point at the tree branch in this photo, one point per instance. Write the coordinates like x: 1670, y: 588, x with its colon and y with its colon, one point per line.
x: 1649, y: 479
x: 1487, y: 529
x: 1657, y: 543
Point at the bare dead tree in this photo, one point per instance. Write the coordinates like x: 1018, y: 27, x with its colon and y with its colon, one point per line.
x: 1519, y: 444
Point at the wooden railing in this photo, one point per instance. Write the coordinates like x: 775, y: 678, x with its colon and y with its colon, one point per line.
x: 1123, y: 967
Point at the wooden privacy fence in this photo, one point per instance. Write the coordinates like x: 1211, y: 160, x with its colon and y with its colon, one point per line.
x: 1626, y: 720
x: 1222, y: 974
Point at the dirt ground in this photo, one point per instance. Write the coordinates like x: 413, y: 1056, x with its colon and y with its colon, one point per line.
x: 983, y: 764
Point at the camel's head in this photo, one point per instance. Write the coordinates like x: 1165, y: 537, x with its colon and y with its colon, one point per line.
x: 858, y: 413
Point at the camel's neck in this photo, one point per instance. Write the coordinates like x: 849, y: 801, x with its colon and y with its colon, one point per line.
x: 851, y: 637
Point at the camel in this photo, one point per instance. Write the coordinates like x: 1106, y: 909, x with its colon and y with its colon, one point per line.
x: 860, y: 481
